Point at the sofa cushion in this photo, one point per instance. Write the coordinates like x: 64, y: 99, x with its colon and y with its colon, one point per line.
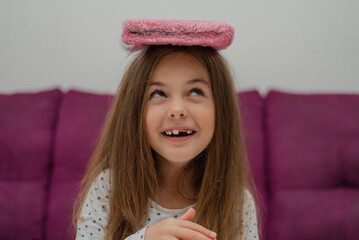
x: 251, y: 110
x: 81, y: 117
x: 252, y: 119
x: 313, y: 165
x: 27, y: 123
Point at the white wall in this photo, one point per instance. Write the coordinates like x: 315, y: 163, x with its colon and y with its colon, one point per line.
x: 292, y: 45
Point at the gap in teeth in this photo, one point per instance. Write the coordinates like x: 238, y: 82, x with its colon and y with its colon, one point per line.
x: 176, y: 132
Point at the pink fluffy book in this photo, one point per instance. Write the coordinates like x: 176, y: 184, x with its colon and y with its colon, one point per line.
x: 142, y: 32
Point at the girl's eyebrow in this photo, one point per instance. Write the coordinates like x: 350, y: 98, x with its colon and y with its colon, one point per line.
x: 192, y: 81
x: 156, y: 84
x: 198, y: 80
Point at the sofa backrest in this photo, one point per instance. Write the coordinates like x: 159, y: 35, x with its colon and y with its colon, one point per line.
x: 313, y: 166
x: 303, y: 150
x: 27, y: 126
x: 81, y: 116
x: 252, y: 122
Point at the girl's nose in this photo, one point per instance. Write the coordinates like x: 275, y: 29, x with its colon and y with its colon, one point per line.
x: 177, y: 110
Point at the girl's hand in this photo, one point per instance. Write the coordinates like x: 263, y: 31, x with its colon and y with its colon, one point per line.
x: 182, y: 228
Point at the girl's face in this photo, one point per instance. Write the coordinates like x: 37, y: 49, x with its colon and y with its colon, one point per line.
x: 180, y: 113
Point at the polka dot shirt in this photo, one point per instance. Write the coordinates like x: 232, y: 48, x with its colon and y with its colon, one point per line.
x: 95, y: 211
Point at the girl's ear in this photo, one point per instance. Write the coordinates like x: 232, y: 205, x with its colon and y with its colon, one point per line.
x: 189, y: 215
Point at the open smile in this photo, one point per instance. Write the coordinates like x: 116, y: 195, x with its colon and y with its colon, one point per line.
x: 178, y: 133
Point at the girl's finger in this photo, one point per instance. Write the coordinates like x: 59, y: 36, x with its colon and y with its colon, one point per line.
x: 188, y: 215
x: 198, y: 228
x: 190, y: 234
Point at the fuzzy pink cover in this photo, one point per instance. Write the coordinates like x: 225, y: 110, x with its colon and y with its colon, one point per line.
x: 138, y: 32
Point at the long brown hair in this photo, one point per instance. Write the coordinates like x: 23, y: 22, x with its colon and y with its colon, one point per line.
x: 124, y: 149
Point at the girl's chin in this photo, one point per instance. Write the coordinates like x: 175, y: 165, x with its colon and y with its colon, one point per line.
x: 175, y: 159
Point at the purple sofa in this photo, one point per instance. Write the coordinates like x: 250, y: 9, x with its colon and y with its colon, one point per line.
x: 303, y: 150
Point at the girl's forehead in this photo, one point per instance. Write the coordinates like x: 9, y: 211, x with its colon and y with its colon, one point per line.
x: 179, y: 62
x: 176, y: 57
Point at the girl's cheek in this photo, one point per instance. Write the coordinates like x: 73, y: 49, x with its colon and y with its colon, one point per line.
x: 156, y: 101
x: 196, y: 99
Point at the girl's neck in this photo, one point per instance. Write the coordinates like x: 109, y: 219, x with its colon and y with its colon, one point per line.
x: 173, y: 185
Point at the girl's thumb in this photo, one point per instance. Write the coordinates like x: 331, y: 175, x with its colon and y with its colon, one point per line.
x: 189, y: 215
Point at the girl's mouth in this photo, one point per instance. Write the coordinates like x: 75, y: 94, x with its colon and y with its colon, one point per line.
x: 178, y: 133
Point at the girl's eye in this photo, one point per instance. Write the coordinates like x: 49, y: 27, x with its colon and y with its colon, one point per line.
x: 196, y: 92
x: 157, y: 94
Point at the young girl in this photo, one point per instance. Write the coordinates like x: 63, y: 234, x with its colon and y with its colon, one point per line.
x: 170, y: 162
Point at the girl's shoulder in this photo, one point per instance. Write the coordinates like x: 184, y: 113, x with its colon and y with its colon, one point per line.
x: 248, y: 197
x: 249, y: 217
x: 104, y: 175
x: 102, y: 184
x: 249, y: 203
x: 95, y: 209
